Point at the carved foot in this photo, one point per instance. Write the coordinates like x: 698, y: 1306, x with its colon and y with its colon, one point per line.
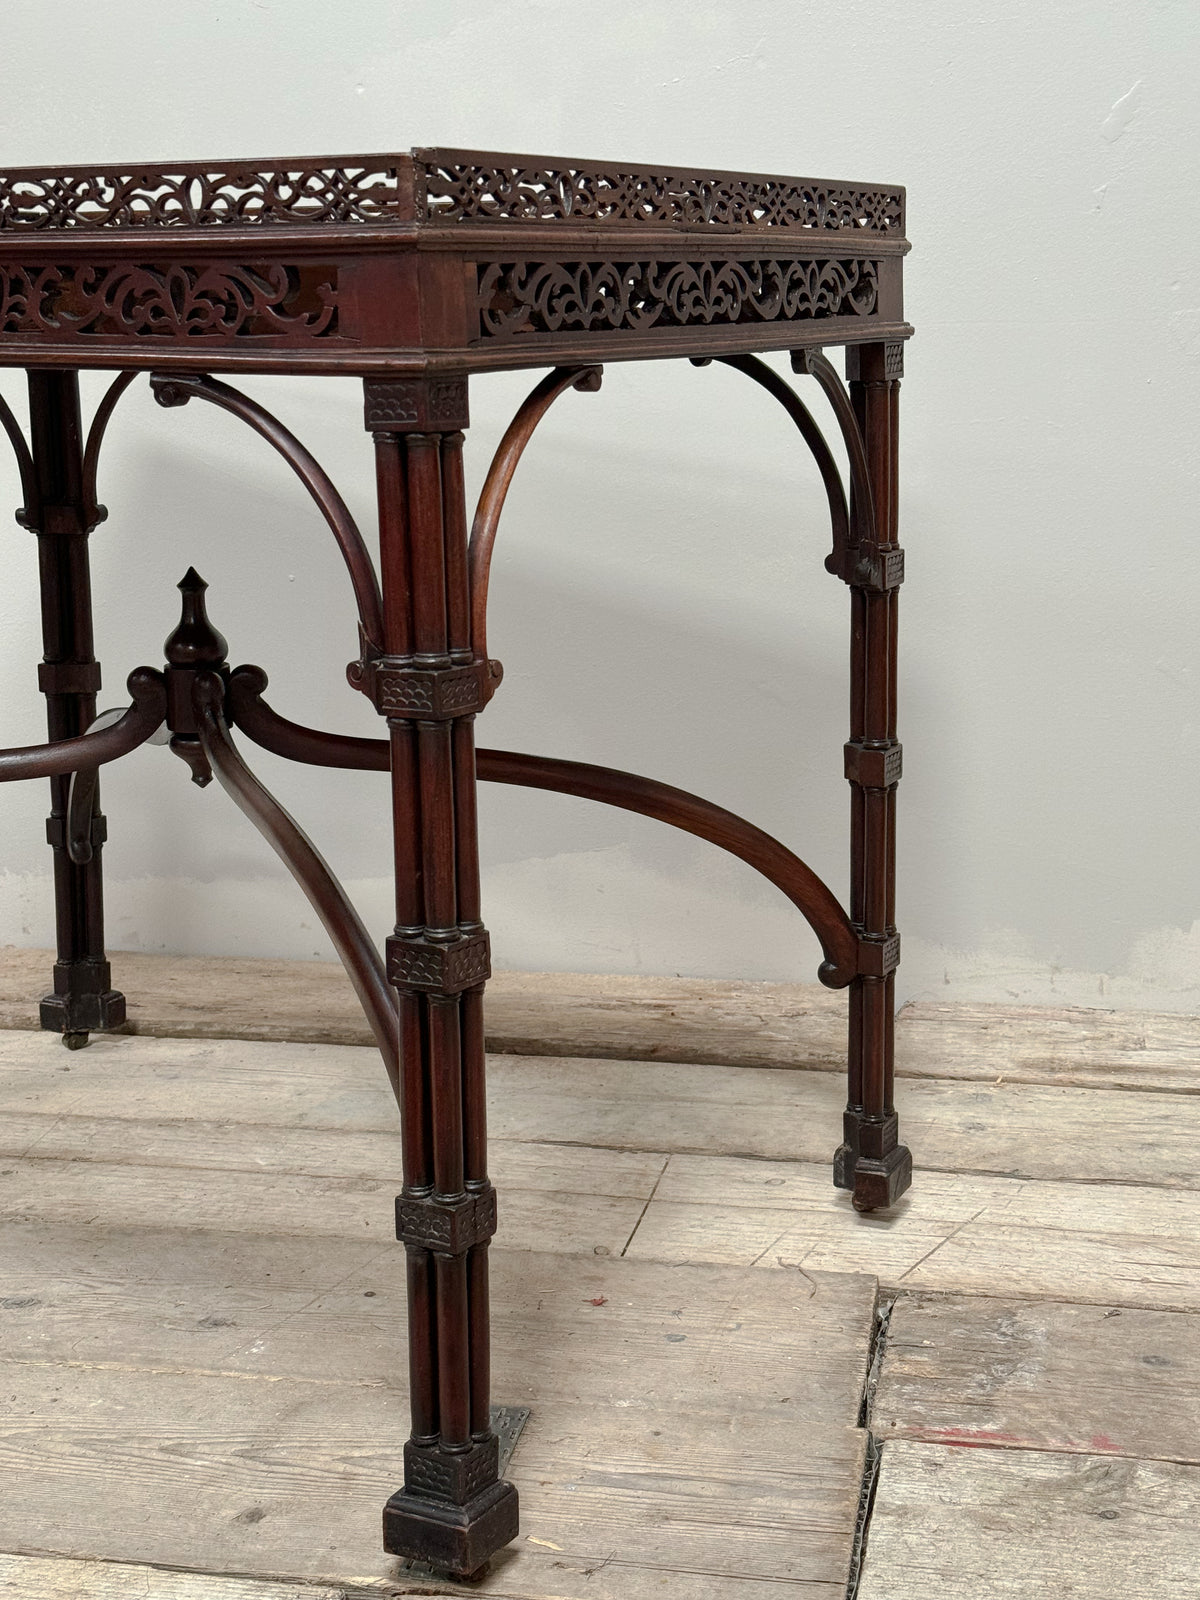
x: 871, y: 1162
x: 457, y: 1540
x: 82, y: 1002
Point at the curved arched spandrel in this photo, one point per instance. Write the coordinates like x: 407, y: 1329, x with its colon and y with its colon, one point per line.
x: 839, y: 515
x: 500, y: 475
x: 93, y: 510
x: 27, y: 515
x: 862, y: 500
x: 177, y: 388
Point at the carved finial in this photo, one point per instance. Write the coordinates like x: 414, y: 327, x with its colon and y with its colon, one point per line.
x: 195, y: 642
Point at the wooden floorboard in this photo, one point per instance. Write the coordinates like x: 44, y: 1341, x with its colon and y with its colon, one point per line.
x: 1062, y: 1045
x: 1102, y: 1243
x: 53, y: 1578
x: 1042, y: 1375
x: 708, y: 1021
x: 1108, y: 1243
x: 285, y: 1478
x: 1098, y: 1137
x: 626, y: 1106
x: 121, y: 1194
x: 960, y: 1524
x: 201, y: 1313
x: 189, y: 1391
x: 683, y: 1019
x: 318, y: 1309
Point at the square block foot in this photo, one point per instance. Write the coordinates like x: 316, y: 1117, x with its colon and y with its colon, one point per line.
x: 76, y: 1013
x: 871, y: 1162
x: 456, y: 1540
x: 875, y: 1182
x: 881, y: 1183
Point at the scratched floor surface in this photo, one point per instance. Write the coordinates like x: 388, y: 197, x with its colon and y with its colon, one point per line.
x: 202, y: 1349
x: 203, y: 1335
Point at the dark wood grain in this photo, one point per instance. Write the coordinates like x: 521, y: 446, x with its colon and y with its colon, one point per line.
x: 413, y: 273
x: 436, y: 260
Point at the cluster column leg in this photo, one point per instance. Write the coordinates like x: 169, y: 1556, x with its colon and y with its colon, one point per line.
x: 871, y: 1162
x: 453, y: 1511
x: 69, y: 676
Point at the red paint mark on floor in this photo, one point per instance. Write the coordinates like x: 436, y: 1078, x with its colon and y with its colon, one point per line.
x: 1101, y: 1441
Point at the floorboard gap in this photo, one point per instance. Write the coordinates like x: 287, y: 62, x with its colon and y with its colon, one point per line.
x: 874, y: 1450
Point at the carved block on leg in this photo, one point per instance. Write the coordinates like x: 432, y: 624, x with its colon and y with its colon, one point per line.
x: 871, y: 1161
x: 456, y: 1539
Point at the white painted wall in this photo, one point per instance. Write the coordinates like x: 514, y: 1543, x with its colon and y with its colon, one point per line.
x: 660, y: 602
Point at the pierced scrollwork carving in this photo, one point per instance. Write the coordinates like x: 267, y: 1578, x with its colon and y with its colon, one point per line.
x: 530, y: 297
x: 219, y: 300
x: 441, y: 186
x: 472, y: 191
x: 194, y: 196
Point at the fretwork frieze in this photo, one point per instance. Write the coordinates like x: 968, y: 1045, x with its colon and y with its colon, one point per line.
x: 471, y: 191
x: 444, y: 187
x: 195, y: 196
x: 432, y: 264
x: 532, y: 297
x: 136, y: 300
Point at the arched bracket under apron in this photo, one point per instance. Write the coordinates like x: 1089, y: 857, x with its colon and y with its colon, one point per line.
x: 839, y: 515
x: 27, y: 516
x: 93, y: 510
x: 862, y: 500
x: 500, y: 475
x: 177, y: 388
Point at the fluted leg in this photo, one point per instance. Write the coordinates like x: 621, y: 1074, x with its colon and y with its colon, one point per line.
x: 872, y: 1162
x: 69, y: 676
x: 453, y: 1510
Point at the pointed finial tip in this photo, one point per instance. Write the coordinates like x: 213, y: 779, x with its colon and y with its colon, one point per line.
x: 191, y: 581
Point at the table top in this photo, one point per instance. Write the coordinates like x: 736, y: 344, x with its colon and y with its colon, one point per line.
x: 436, y: 260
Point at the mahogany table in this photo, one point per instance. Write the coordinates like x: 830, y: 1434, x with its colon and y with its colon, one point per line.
x: 415, y: 272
